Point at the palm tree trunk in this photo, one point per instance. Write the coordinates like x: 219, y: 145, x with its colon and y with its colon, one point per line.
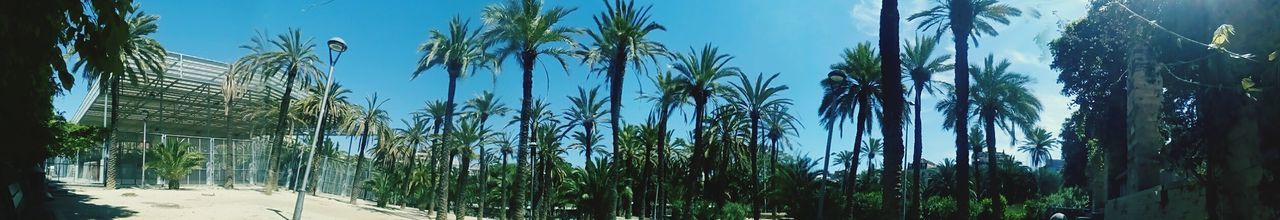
x: 894, y: 104
x: 913, y: 211
x: 851, y: 181
x: 515, y: 208
x: 355, y: 177
x: 505, y: 195
x: 962, y: 23
x: 993, y: 186
x: 408, y: 168
x: 755, y: 166
x: 231, y: 152
x: 113, y: 152
x: 695, y: 168
x: 662, y: 159
x: 455, y: 70
x: 463, y: 171
x: 272, y: 175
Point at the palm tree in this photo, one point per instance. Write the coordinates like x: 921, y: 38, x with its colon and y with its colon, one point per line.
x: 757, y: 98
x: 847, y: 158
x: 413, y: 135
x: 668, y: 97
x: 436, y: 111
x: 471, y: 134
x: 142, y: 56
x: 173, y: 161
x: 587, y: 110
x: 459, y: 50
x: 854, y: 83
x: 920, y: 64
x: 699, y: 73
x: 288, y: 55
x: 1038, y: 143
x: 961, y: 17
x: 833, y: 111
x: 620, y: 38
x: 308, y: 110
x: 1001, y: 98
x: 870, y: 150
x: 526, y: 31
x: 371, y: 117
x: 482, y: 106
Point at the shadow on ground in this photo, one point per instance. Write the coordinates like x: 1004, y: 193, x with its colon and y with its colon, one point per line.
x: 70, y: 205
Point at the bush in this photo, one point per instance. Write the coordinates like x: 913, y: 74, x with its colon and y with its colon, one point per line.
x: 734, y: 211
x: 867, y: 205
x: 939, y: 207
x: 173, y: 161
x: 1015, y: 212
x: 1070, y: 198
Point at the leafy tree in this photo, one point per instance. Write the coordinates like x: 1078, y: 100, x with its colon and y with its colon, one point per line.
x: 70, y: 138
x: 173, y: 161
x: 962, y: 17
x: 919, y: 62
x: 699, y: 73
x: 525, y: 31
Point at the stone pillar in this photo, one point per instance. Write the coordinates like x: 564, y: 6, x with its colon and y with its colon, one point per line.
x: 1143, y: 119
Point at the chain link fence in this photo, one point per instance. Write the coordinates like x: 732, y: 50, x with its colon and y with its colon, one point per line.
x: 245, y: 160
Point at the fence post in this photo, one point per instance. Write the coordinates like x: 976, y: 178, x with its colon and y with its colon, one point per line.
x: 208, y: 165
x: 253, y: 161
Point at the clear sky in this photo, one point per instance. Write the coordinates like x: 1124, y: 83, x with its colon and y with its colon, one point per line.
x: 798, y: 39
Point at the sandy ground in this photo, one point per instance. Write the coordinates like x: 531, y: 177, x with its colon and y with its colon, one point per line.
x: 89, y: 202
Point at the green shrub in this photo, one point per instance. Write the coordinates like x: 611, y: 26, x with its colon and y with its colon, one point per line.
x: 939, y: 207
x: 1015, y: 212
x: 734, y: 211
x: 173, y: 161
x: 867, y: 205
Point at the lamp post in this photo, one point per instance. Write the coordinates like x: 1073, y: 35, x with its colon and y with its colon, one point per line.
x: 339, y: 45
x: 836, y: 76
x: 146, y: 118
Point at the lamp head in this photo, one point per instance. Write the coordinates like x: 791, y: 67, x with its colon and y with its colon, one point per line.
x: 836, y: 75
x: 337, y: 44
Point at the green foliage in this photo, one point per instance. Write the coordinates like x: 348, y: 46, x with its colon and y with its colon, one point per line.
x: 173, y: 161
x: 382, y: 185
x: 71, y: 137
x: 868, y: 205
x: 938, y: 207
x: 1016, y: 212
x: 734, y: 210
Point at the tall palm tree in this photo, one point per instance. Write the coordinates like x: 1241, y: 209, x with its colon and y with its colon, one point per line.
x: 371, y: 117
x: 619, y: 38
x: 143, y: 57
x: 667, y: 98
x: 339, y: 111
x: 288, y: 56
x: 462, y: 48
x: 436, y: 111
x: 920, y: 64
x: 699, y: 73
x: 1038, y: 143
x: 962, y: 17
x: 1001, y: 99
x: 413, y: 135
x: 482, y: 106
x: 858, y: 86
x: 471, y: 134
x: 757, y: 98
x: 587, y: 110
x: 895, y: 105
x: 525, y: 31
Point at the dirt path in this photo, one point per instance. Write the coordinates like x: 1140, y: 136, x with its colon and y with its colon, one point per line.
x: 87, y: 202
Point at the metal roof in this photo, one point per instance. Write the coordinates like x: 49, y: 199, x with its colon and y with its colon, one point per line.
x: 186, y: 100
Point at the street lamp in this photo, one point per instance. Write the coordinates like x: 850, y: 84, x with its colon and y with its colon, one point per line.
x: 146, y: 118
x: 836, y: 75
x: 338, y: 45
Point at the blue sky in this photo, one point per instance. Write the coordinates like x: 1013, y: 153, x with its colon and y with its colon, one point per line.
x: 797, y: 40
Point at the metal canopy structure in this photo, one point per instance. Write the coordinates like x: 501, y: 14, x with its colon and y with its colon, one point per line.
x: 187, y: 100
